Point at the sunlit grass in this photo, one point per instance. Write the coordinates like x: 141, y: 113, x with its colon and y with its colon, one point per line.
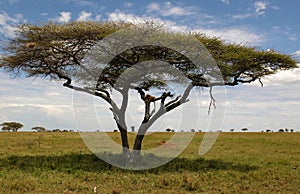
x: 237, y: 163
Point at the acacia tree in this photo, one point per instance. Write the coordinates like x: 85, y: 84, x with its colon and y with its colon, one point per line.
x: 244, y: 129
x: 58, y: 51
x: 39, y: 129
x: 11, y: 126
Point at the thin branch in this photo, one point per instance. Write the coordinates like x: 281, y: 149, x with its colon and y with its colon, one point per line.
x: 182, y: 100
x: 172, y: 101
x: 73, y: 56
x: 261, y: 83
x: 98, y: 90
x: 212, y: 101
x: 107, y: 98
x: 163, y: 97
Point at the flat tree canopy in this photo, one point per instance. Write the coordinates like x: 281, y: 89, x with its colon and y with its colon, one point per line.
x: 11, y: 126
x: 39, y: 129
x: 58, y: 51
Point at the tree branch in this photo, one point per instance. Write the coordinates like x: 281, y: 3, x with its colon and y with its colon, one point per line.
x: 172, y: 101
x: 182, y: 100
x: 141, y: 92
x: 164, y: 109
x: 98, y: 90
x: 212, y: 100
x: 105, y: 97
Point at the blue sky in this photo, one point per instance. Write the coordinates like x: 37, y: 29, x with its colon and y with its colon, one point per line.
x: 270, y: 24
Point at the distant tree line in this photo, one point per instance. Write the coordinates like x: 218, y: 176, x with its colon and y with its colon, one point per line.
x: 279, y: 130
x: 232, y: 130
x: 15, y: 126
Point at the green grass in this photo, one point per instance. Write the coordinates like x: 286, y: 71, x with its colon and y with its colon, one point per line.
x: 237, y: 163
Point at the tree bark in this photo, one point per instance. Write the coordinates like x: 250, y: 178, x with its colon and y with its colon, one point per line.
x: 136, y: 151
x: 149, y: 119
x: 125, y: 144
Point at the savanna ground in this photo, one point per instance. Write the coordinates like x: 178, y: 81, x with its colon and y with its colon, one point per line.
x: 237, y: 163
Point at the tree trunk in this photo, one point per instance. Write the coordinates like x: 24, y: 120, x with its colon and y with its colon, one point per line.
x: 136, y: 152
x: 125, y: 144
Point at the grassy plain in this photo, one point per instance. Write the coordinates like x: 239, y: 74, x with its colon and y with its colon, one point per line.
x: 237, y: 163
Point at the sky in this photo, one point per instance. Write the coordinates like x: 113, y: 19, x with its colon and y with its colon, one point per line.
x: 269, y: 24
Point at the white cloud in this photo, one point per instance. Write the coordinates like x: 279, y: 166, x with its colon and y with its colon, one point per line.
x: 226, y: 1
x: 276, y: 28
x: 289, y: 34
x: 176, y: 11
x: 35, y: 102
x: 153, y: 7
x: 276, y: 105
x: 50, y: 109
x: 34, y: 115
x: 128, y: 4
x: 297, y: 53
x: 167, y: 9
x: 120, y: 16
x: 293, y: 37
x: 98, y: 17
x: 84, y: 16
x: 242, y: 16
x: 8, y: 23
x: 234, y: 35
x: 84, y: 3
x: 275, y: 7
x: 260, y: 7
x: 64, y: 17
x: 45, y: 103
x: 283, y: 78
